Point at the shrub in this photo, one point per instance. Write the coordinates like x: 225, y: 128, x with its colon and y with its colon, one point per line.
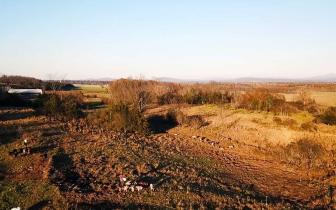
x: 120, y: 117
x: 63, y: 107
x: 328, y: 117
x: 304, y: 98
x: 289, y: 122
x: 284, y: 108
x: 277, y: 120
x: 170, y: 98
x: 262, y: 100
x: 197, y: 96
x: 309, y: 126
x: 135, y: 93
x: 305, y: 150
x: 194, y: 121
x: 285, y: 122
x: 176, y: 116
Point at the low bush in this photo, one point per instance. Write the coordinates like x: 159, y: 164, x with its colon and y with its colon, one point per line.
x: 170, y: 98
x: 120, y: 117
x: 328, y: 116
x: 288, y: 122
x: 261, y: 100
x: 197, y: 96
x: 305, y: 151
x: 277, y: 120
x: 176, y: 116
x: 63, y: 107
x: 135, y: 93
x: 180, y: 118
x: 291, y: 123
x: 309, y: 126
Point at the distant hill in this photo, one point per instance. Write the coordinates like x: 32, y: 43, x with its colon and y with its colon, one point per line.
x: 322, y: 78
x: 170, y: 79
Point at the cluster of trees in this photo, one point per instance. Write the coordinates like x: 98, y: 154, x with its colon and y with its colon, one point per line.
x: 139, y: 93
x: 196, y: 96
x: 21, y: 82
x: 33, y: 83
x: 129, y: 99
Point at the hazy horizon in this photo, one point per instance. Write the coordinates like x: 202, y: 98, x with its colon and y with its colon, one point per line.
x: 175, y: 39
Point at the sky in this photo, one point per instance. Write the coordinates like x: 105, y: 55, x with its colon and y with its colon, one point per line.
x: 185, y: 39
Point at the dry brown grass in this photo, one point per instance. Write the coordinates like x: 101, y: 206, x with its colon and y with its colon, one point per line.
x: 234, y: 161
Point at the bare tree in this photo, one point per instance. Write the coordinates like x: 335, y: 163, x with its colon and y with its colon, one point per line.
x: 132, y: 92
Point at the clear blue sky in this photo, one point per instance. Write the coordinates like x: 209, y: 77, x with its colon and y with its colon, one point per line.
x: 173, y: 38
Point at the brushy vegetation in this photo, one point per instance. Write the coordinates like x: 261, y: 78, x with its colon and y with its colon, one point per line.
x: 181, y: 119
x: 131, y: 92
x: 21, y: 82
x: 305, y: 152
x: 264, y: 100
x: 309, y: 126
x: 196, y: 169
x: 139, y: 93
x: 61, y: 107
x: 328, y: 116
x: 31, y: 83
x: 120, y: 117
x: 197, y: 96
x: 288, y: 122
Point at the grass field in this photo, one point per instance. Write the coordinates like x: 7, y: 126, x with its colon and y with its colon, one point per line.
x: 236, y: 160
x: 321, y: 97
x: 93, y: 93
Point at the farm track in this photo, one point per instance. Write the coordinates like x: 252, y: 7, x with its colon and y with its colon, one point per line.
x: 268, y: 177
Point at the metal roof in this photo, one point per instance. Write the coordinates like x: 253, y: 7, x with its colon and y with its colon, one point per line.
x: 25, y: 91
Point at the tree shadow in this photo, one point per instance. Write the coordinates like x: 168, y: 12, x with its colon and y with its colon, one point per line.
x: 3, y: 171
x: 8, y: 134
x: 41, y: 205
x: 160, y: 124
x: 43, y: 148
x: 63, y: 174
x: 16, y: 115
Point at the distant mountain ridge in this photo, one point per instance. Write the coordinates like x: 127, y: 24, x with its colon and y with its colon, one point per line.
x: 322, y: 78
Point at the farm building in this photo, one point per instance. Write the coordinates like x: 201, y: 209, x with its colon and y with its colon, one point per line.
x: 26, y: 94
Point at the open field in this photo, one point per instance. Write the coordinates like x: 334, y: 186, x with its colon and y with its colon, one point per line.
x: 93, y: 93
x: 325, y: 98
x: 203, y: 170
x: 218, y: 156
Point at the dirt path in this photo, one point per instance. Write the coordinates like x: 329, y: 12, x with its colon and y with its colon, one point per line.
x: 270, y: 178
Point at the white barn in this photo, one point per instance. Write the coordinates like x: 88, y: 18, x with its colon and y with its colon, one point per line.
x: 26, y: 94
